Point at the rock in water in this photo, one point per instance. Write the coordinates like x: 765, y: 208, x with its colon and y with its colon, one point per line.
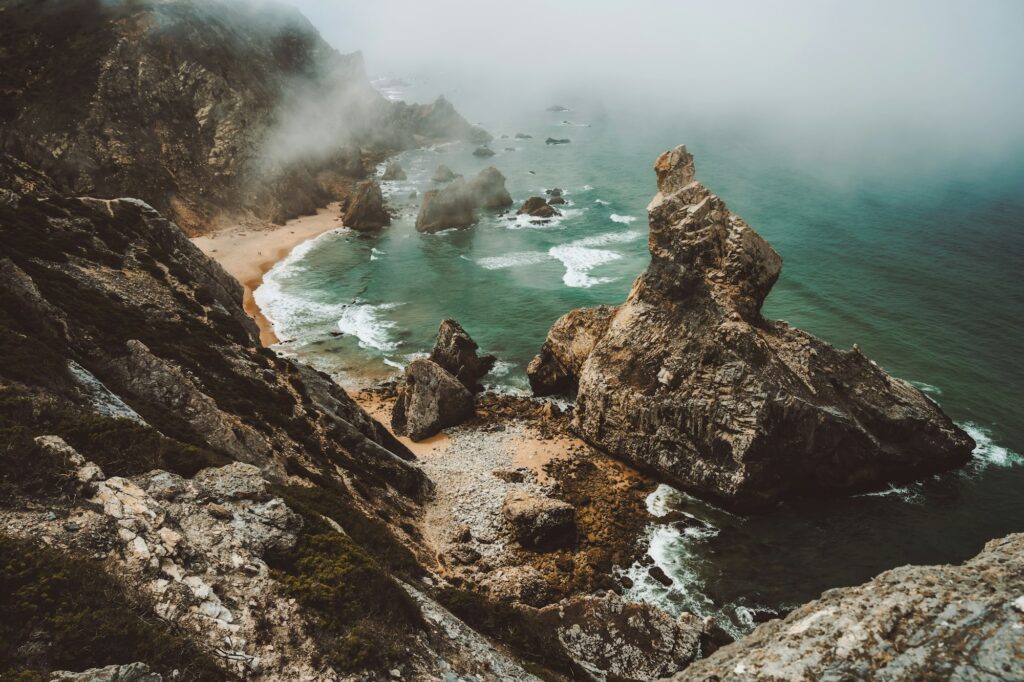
x: 455, y: 352
x: 450, y: 207
x: 910, y: 623
x: 538, y: 207
x: 540, y: 522
x: 431, y: 399
x: 688, y: 379
x: 363, y: 210
x: 557, y: 140
x: 488, y: 189
x: 443, y: 174
x: 483, y: 151
x: 393, y: 171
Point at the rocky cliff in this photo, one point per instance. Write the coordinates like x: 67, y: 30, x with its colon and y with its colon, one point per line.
x: 686, y: 378
x: 198, y: 108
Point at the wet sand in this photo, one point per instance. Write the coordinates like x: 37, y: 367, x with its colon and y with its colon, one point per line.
x: 248, y: 251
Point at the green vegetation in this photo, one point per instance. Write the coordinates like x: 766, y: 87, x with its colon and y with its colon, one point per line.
x: 58, y: 612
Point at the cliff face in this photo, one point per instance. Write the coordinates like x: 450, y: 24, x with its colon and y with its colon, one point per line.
x: 686, y: 377
x: 197, y: 108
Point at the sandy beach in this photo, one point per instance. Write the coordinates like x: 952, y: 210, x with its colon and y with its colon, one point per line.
x: 248, y: 251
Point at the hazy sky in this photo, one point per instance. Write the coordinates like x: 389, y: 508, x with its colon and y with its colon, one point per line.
x: 932, y: 78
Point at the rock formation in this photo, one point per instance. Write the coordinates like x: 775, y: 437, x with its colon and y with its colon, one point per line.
x: 483, y: 151
x: 538, y: 207
x: 394, y: 171
x: 686, y: 378
x: 540, y: 522
x: 523, y: 136
x: 557, y: 140
x: 455, y: 351
x: 443, y: 174
x: 910, y: 623
x: 455, y: 206
x: 429, y: 400
x: 364, y: 210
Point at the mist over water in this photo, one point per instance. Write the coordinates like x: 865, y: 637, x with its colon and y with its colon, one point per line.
x: 877, y: 148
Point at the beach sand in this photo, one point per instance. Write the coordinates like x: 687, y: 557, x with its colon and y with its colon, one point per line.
x: 248, y: 251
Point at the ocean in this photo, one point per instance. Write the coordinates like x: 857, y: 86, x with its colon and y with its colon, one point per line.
x: 920, y: 268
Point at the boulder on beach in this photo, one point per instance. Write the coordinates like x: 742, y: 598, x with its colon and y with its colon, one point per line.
x: 429, y: 400
x: 557, y: 140
x: 443, y: 174
x: 540, y: 522
x: 538, y: 207
x: 456, y: 352
x: 488, y: 189
x: 393, y: 171
x: 363, y: 209
x: 483, y: 151
x: 688, y: 380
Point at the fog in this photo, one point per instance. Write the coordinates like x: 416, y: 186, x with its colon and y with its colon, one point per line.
x: 919, y: 83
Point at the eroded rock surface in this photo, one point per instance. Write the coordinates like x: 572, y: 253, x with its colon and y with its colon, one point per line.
x: 538, y: 521
x: 364, y: 209
x: 455, y: 351
x: 429, y: 400
x: 911, y: 623
x: 538, y: 207
x: 689, y: 380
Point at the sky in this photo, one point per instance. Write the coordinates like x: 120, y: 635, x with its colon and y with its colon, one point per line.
x: 940, y: 80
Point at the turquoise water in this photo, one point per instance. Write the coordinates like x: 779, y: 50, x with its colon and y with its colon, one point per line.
x: 921, y: 269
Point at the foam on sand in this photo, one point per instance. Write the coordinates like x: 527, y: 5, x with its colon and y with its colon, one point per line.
x: 365, y: 322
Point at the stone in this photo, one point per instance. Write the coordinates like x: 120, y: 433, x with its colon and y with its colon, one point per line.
x: 608, y: 636
x: 538, y: 207
x: 488, y: 189
x: 455, y: 351
x: 688, y: 380
x: 557, y: 140
x: 443, y: 174
x: 523, y: 136
x: 540, y: 522
x: 911, y: 623
x: 393, y: 171
x: 429, y: 400
x: 556, y: 201
x: 483, y: 151
x: 659, y: 574
x: 447, y: 208
x: 363, y: 209
x: 554, y: 192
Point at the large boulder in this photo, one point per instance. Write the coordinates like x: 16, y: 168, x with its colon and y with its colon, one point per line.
x: 540, y: 522
x: 911, y: 623
x: 393, y: 171
x: 687, y: 379
x: 455, y: 206
x: 364, y: 209
x: 609, y: 636
x: 483, y: 151
x: 456, y: 352
x: 429, y: 400
x: 443, y: 174
x: 488, y: 189
x: 538, y: 207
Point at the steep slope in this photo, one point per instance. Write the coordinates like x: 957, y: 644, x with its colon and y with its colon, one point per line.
x: 197, y: 108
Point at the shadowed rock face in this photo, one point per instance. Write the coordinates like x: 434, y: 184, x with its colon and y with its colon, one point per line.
x: 910, y: 623
x: 430, y: 400
x: 364, y: 209
x: 687, y: 379
x: 456, y: 352
x: 455, y: 206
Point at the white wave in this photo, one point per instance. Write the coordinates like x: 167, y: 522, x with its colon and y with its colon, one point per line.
x: 602, y: 202
x: 502, y: 368
x: 624, y: 219
x: 905, y: 493
x: 397, y: 365
x: 579, y: 261
x: 376, y: 253
x: 363, y: 321
x: 926, y: 388
x: 512, y: 260
x: 659, y: 502
x: 607, y: 238
x: 587, y: 188
x: 987, y: 451
x: 529, y: 222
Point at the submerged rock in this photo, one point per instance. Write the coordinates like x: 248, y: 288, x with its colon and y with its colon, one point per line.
x: 364, y: 210
x: 443, y: 174
x: 431, y: 399
x: 688, y: 379
x: 540, y: 522
x: 456, y: 352
x: 911, y: 623
x: 393, y: 171
x: 538, y: 207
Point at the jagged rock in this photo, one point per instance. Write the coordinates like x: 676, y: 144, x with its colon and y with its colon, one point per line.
x: 557, y: 140
x: 635, y: 641
x: 443, y: 174
x: 455, y: 352
x: 429, y: 400
x: 556, y: 201
x: 393, y: 171
x: 658, y: 573
x: 689, y: 380
x: 540, y: 522
x: 131, y: 672
x: 363, y: 209
x: 483, y: 151
x: 488, y: 189
x: 538, y: 207
x: 554, y: 192
x: 911, y: 623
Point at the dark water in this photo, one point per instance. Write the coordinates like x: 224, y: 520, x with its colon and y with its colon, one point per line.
x: 921, y: 269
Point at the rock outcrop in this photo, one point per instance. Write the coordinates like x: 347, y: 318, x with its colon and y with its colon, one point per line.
x: 455, y: 351
x: 610, y: 637
x: 538, y: 207
x: 429, y: 400
x: 443, y: 174
x: 557, y: 140
x: 393, y: 171
x: 910, y: 623
x: 364, y: 209
x: 689, y: 380
x: 483, y: 151
x: 540, y: 522
x: 455, y: 206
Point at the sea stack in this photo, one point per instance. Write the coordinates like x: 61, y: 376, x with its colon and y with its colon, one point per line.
x: 455, y: 205
x: 364, y: 210
x: 688, y: 380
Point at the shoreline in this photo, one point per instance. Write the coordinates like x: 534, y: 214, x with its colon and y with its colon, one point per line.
x: 247, y: 251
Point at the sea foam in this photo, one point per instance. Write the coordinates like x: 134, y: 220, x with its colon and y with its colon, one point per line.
x: 624, y: 219
x: 364, y: 321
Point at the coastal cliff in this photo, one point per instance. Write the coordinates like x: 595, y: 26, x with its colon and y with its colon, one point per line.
x: 687, y: 379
